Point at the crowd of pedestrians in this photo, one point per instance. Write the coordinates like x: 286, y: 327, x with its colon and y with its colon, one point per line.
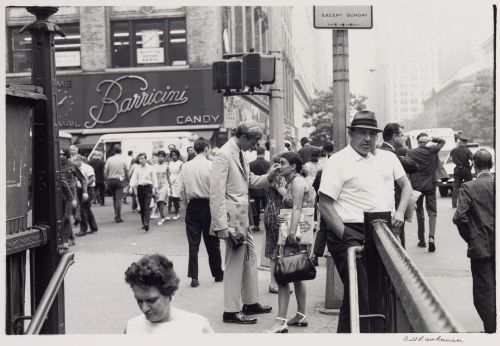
x: 224, y: 193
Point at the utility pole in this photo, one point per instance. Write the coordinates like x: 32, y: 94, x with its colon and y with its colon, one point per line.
x: 277, y: 99
x: 341, y: 94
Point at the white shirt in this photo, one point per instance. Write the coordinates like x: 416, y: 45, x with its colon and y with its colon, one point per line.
x: 144, y: 176
x: 181, y: 322
x: 355, y: 183
x: 195, y: 177
x: 391, y: 170
x: 87, y: 171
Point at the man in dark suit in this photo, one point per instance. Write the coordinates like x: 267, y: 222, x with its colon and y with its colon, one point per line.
x: 475, y: 220
x: 259, y: 166
x: 394, y: 142
x: 462, y: 157
x: 424, y: 180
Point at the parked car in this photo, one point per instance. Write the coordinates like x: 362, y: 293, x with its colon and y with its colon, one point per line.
x: 446, y: 185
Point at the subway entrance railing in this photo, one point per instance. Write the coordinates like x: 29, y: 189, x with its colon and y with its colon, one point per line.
x: 400, y: 298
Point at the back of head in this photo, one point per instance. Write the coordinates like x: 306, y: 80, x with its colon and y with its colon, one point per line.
x: 130, y: 153
x: 200, y: 144
x: 315, y: 155
x: 482, y: 160
x: 328, y: 147
x: 422, y: 134
x: 304, y: 140
x: 260, y: 151
x: 117, y: 149
x: 390, y: 130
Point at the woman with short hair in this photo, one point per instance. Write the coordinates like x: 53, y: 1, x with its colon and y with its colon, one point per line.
x: 173, y: 172
x: 154, y: 283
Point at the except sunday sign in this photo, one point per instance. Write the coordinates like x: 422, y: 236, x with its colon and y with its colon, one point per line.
x: 343, y: 17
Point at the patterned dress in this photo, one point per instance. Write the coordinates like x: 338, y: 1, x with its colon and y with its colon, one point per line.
x: 272, y: 210
x: 174, y: 169
x: 307, y: 202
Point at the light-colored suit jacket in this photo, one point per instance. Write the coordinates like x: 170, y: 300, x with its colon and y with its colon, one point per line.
x: 229, y: 182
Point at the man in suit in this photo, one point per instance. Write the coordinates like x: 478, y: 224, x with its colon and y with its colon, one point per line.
x: 259, y: 166
x: 424, y: 180
x: 462, y: 157
x: 394, y: 142
x: 475, y: 220
x: 229, y: 183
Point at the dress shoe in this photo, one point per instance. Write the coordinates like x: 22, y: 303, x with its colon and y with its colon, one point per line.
x: 238, y: 317
x: 256, y: 228
x: 118, y: 220
x: 77, y: 222
x: 195, y: 283
x: 146, y: 228
x: 219, y: 278
x: 253, y: 309
x: 80, y: 234
x: 94, y: 230
x: 421, y: 244
x: 432, y: 246
x: 273, y: 289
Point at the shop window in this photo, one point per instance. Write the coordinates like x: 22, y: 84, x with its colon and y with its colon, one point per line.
x: 156, y: 42
x: 67, y: 49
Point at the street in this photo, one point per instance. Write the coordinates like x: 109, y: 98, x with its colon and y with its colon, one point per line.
x: 98, y: 301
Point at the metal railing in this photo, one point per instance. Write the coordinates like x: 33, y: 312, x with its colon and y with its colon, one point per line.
x: 400, y: 298
x: 50, y: 294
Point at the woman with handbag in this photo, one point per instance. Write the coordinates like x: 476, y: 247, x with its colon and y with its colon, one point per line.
x: 299, y: 195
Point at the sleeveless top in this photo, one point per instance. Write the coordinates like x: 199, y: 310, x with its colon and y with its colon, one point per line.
x: 307, y: 201
x: 182, y: 322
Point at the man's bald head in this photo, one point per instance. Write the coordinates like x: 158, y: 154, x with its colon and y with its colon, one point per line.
x: 482, y: 160
x: 250, y: 128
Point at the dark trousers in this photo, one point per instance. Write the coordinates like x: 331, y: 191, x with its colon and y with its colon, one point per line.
x: 67, y: 228
x: 483, y: 291
x: 87, y: 217
x: 116, y: 189
x: 353, y: 236
x: 460, y: 175
x: 76, y: 211
x: 100, y: 189
x: 176, y: 202
x: 320, y: 241
x: 197, y: 223
x: 144, y: 195
x: 260, y: 203
x: 431, y: 207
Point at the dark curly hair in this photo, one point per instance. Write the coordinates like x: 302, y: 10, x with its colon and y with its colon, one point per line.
x: 175, y: 151
x: 294, y: 158
x: 153, y: 270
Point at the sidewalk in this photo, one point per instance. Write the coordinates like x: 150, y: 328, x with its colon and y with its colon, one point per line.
x: 98, y: 301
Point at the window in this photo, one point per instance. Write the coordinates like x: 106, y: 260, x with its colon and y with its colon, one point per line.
x: 156, y: 42
x: 67, y: 52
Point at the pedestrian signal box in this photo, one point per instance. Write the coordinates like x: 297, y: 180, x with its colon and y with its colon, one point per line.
x: 241, y: 71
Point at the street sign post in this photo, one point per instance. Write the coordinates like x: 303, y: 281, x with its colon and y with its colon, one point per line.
x: 343, y: 17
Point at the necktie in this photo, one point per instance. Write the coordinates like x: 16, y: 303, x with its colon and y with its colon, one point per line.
x: 242, y: 162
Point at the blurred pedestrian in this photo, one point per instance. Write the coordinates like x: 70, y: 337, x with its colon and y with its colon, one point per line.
x: 154, y: 283
x: 326, y: 152
x: 299, y: 194
x: 475, y: 220
x: 229, y: 183
x: 145, y: 181
x: 174, y: 194
x: 312, y: 167
x: 161, y: 169
x: 306, y: 150
x: 87, y: 219
x: 98, y: 164
x: 424, y: 180
x: 195, y: 192
x: 116, y: 173
x: 394, y: 139
x: 69, y: 202
x: 355, y: 181
x: 191, y: 153
x: 131, y: 190
x: 462, y: 158
x: 259, y: 166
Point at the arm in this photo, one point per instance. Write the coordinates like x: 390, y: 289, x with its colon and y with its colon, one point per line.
x: 333, y: 220
x: 106, y: 170
x: 81, y: 178
x: 183, y: 187
x: 440, y: 143
x: 90, y: 180
x: 298, y: 189
x: 218, y: 186
x: 408, y: 164
x: 154, y: 179
x: 133, y: 180
x: 399, y: 216
x: 461, y: 217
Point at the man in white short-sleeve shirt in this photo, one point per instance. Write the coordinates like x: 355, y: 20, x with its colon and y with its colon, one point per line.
x: 355, y: 181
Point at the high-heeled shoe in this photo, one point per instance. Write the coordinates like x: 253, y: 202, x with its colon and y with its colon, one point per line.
x: 300, y: 323
x: 282, y: 329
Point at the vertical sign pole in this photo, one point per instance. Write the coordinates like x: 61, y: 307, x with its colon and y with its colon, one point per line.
x: 341, y: 95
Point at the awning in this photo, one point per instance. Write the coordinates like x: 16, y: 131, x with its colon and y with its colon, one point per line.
x: 207, y: 134
x: 86, y: 141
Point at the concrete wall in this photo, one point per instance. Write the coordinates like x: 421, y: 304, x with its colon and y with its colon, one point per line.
x: 204, y: 35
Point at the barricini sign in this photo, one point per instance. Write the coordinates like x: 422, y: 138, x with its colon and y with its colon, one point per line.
x: 343, y: 17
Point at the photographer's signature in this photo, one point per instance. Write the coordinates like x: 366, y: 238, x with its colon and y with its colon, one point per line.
x: 432, y: 339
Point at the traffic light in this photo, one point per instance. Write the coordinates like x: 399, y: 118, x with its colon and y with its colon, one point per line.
x: 252, y: 70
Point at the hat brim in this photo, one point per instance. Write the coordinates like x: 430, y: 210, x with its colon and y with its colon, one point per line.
x: 365, y: 127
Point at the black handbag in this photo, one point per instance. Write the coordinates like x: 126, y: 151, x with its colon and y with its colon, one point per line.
x: 236, y: 239
x: 294, y: 267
